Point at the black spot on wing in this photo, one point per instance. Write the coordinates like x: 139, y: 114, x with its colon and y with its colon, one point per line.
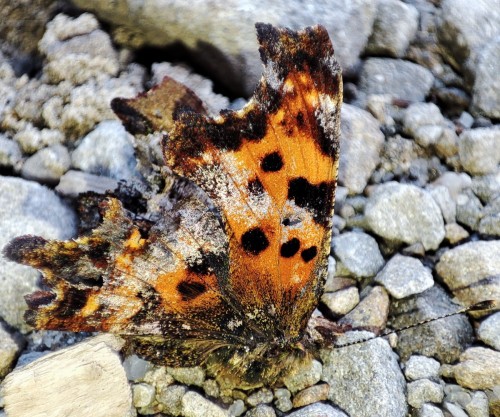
x: 316, y: 198
x: 290, y: 248
x: 254, y: 241
x: 208, y: 263
x: 74, y: 300
x: 272, y: 162
x: 255, y: 187
x: 189, y: 290
x: 309, y: 254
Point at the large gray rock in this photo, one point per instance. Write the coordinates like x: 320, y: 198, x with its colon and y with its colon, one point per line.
x: 402, y: 213
x: 394, y: 28
x: 27, y: 208
x: 361, y: 142
x: 479, y: 150
x: 464, y: 30
x: 398, y: 78
x: 365, y: 379
x: 229, y: 50
x: 472, y: 271
x: 486, y: 91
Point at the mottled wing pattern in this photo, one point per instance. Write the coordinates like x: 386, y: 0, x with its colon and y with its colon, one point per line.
x: 271, y: 169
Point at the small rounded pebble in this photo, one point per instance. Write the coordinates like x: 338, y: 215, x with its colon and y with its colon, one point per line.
x: 489, y: 331
x: 262, y: 396
x: 423, y: 391
x: 142, y: 394
x: 419, y: 367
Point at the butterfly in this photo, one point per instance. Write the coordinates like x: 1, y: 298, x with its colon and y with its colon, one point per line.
x: 230, y: 275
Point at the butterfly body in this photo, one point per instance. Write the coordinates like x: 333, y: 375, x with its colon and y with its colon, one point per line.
x: 232, y: 289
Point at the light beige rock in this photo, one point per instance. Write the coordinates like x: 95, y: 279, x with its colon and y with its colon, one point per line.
x: 479, y: 368
x: 83, y: 380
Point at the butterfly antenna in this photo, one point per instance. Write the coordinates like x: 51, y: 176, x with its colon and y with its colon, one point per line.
x: 491, y: 305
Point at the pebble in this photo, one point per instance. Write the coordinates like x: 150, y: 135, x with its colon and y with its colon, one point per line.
x: 188, y: 376
x: 469, y: 209
x: 403, y: 276
x: 398, y: 78
x: 303, y: 376
x: 479, y: 150
x: 108, y: 150
x: 142, y: 394
x: 489, y: 224
x: 195, y: 405
x: 135, y: 367
x: 171, y: 398
x: 424, y: 122
x: 365, y: 379
x: 357, y: 255
x: 479, y: 368
x: 443, y: 198
x: 455, y: 233
x: 455, y: 410
x: 418, y: 367
x: 262, y: 396
x: 472, y: 271
x: 361, y: 142
x: 237, y: 408
x: 47, y: 165
x: 487, y: 187
x: 211, y: 388
x: 394, y: 28
x: 442, y: 339
x: 371, y: 312
x: 403, y: 213
x: 489, y: 331
x: 342, y: 301
x: 283, y: 400
x: 318, y: 410
x: 429, y: 410
x: 456, y: 182
x: 11, y: 345
x: 261, y: 411
x: 424, y: 391
x: 311, y: 395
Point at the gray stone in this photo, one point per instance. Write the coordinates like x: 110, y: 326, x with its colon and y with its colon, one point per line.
x: 283, y: 400
x: 394, y: 28
x: 418, y: 367
x: 318, y: 410
x: 479, y: 150
x: 487, y: 187
x: 478, y: 405
x: 429, y: 410
x: 456, y: 182
x: 361, y: 142
x: 472, y: 271
x: 466, y: 120
x: 442, y: 339
x: 234, y: 60
x: 357, y: 255
x: 455, y: 233
x: 189, y: 376
x: 47, y: 165
x: 486, y: 91
x: 20, y: 214
x: 211, y: 388
x: 10, y: 153
x: 464, y: 31
x: 171, y: 398
x: 403, y: 276
x: 195, y: 405
x: 424, y: 391
x: 490, y: 222
x: 424, y: 122
x: 442, y: 196
x: 108, y: 150
x: 135, y: 367
x: 11, y: 344
x: 403, y: 213
x: 303, y: 376
x: 262, y: 396
x: 342, y: 301
x: 371, y: 312
x: 489, y: 331
x: 455, y: 410
x: 261, y: 411
x: 469, y: 209
x: 142, y: 394
x: 365, y: 380
x: 398, y: 78
x: 73, y: 183
x: 158, y: 377
x: 237, y: 408
x: 479, y: 368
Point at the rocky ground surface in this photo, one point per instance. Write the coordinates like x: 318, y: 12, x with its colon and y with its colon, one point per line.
x: 417, y: 221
